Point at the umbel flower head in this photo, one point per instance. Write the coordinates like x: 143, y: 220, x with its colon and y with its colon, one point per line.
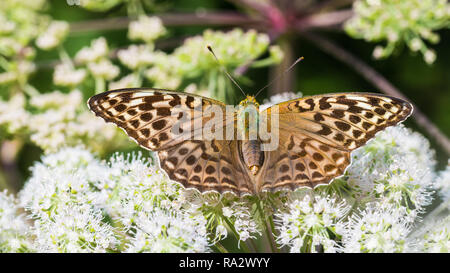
x: 311, y: 222
x: 78, y: 203
x: 14, y: 229
x: 411, y: 22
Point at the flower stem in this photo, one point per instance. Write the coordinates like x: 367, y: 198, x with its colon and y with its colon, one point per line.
x: 64, y: 56
x: 221, y: 248
x: 244, y: 245
x: 267, y: 228
x: 99, y: 85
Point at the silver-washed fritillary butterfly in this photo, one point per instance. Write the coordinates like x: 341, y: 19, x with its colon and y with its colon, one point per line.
x: 316, y: 136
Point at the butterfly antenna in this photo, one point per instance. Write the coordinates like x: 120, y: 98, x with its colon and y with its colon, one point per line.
x: 225, y: 70
x: 279, y: 75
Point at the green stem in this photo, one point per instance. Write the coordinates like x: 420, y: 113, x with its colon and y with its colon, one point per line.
x: 139, y: 74
x: 244, y: 245
x: 4, y: 63
x: 135, y: 9
x: 99, y: 85
x: 64, y: 56
x: 212, y: 82
x: 268, y: 230
x: 221, y: 248
x: 30, y: 90
x: 221, y: 90
x: 272, y: 225
x: 263, y: 63
x: 253, y: 245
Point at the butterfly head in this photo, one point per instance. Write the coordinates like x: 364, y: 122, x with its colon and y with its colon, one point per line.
x: 249, y: 100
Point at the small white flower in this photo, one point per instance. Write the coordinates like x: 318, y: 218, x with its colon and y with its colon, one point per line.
x: 97, y: 50
x: 374, y: 2
x: 415, y: 44
x: 221, y: 231
x: 378, y: 52
x: 429, y: 56
x: 128, y: 81
x: 13, y: 114
x: 104, y: 69
x: 162, y: 78
x: 146, y: 28
x: 53, y: 36
x: 7, y: 77
x: 227, y: 212
x: 136, y: 56
x: 66, y: 75
x: 395, y: 164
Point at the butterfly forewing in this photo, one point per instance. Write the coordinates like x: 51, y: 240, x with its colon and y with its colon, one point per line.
x: 318, y: 133
x: 148, y: 116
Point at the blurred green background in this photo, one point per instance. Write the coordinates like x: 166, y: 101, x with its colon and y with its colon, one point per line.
x: 428, y: 86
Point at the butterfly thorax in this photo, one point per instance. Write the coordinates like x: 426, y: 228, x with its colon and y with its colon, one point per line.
x: 247, y: 119
x: 247, y: 130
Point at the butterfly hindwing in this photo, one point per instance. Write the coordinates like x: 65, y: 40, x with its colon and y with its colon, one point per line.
x: 318, y: 133
x: 207, y: 165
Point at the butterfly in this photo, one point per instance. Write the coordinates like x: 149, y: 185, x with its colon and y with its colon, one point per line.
x: 316, y: 135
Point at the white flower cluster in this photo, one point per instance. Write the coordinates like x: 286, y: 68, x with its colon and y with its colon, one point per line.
x: 234, y: 48
x: 239, y: 214
x: 61, y: 202
x: 397, y: 167
x: 21, y: 22
x: 391, y: 179
x: 378, y: 228
x: 443, y: 183
x: 95, y: 57
x: 13, y: 116
x: 56, y: 119
x: 80, y: 204
x: 66, y: 75
x: 53, y: 36
x: 143, y: 199
x: 437, y: 238
x: 169, y: 231
x: 226, y: 214
x: 97, y: 51
x: 136, y: 56
x: 411, y: 22
x: 135, y: 186
x: 128, y: 81
x: 147, y: 29
x: 311, y: 222
x: 14, y: 228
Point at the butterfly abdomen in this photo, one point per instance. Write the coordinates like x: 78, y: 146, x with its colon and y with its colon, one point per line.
x: 252, y: 155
